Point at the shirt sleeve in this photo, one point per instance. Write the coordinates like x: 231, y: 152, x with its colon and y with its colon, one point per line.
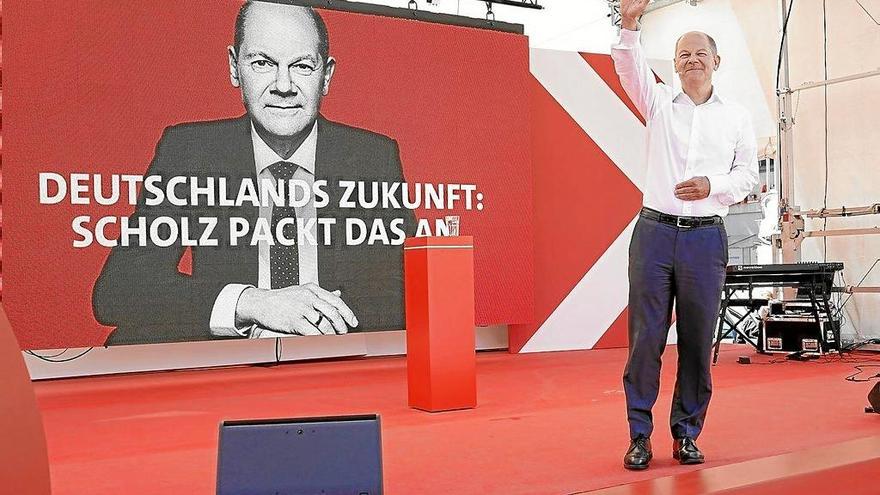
x: 223, y: 312
x: 733, y: 187
x: 634, y: 73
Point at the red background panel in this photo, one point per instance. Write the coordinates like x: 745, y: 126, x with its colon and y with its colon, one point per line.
x: 89, y: 86
x: 617, y: 333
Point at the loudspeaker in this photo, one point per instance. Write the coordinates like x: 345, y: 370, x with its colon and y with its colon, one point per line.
x: 874, y: 398
x: 306, y: 456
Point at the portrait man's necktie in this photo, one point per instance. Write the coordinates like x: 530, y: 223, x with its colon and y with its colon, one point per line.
x: 284, y: 260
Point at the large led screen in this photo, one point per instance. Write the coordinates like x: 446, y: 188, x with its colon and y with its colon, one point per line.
x: 194, y: 170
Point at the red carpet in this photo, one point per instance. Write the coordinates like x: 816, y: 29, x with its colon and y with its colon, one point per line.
x: 851, y: 468
x: 551, y: 423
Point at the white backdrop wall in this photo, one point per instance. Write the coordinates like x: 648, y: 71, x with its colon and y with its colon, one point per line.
x: 852, y: 163
x: 833, y: 168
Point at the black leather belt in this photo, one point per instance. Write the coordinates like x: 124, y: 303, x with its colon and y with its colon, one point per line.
x: 681, y: 222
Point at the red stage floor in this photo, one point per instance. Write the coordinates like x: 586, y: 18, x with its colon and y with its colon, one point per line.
x: 551, y: 423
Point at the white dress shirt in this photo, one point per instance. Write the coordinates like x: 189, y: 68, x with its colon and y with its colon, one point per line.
x: 223, y: 313
x: 714, y: 139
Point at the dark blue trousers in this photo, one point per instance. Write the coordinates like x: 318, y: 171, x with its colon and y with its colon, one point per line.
x: 685, y: 267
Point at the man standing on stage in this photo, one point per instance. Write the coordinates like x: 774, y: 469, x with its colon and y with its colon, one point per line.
x: 702, y: 158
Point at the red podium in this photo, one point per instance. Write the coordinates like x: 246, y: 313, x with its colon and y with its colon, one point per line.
x: 24, y: 464
x: 440, y: 356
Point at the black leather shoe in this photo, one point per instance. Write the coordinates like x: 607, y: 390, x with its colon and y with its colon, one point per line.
x: 639, y: 454
x: 686, y: 451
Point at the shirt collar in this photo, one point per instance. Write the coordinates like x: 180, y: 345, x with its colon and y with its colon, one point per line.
x: 304, y: 156
x: 682, y: 97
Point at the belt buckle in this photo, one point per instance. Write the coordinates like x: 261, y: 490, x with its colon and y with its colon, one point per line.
x: 679, y: 224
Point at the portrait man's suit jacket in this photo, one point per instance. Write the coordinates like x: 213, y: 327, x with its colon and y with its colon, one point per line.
x: 142, y: 293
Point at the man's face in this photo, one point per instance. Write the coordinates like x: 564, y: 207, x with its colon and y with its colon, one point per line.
x: 694, y: 59
x: 279, y: 69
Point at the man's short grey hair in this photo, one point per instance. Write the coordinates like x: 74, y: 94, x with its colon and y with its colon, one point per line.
x: 320, y: 27
x: 712, y: 45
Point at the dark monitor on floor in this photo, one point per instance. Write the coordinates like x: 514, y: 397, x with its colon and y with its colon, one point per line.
x: 339, y: 455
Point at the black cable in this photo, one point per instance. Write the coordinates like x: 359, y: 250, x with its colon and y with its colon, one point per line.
x: 866, y: 11
x: 782, y: 43
x: 779, y: 57
x: 852, y: 378
x: 50, y: 359
x: 744, y: 239
x: 825, y: 89
x: 772, y: 361
x: 860, y: 283
x: 855, y: 345
x: 839, y: 315
x: 842, y: 356
x: 49, y: 355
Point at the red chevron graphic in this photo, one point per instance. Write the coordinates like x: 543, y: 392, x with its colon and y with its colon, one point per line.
x: 582, y: 204
x: 616, y: 335
x: 603, y: 65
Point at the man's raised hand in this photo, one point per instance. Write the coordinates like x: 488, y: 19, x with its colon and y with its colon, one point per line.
x: 630, y: 11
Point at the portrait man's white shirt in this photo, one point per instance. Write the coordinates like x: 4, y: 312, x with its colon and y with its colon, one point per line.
x: 223, y: 313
